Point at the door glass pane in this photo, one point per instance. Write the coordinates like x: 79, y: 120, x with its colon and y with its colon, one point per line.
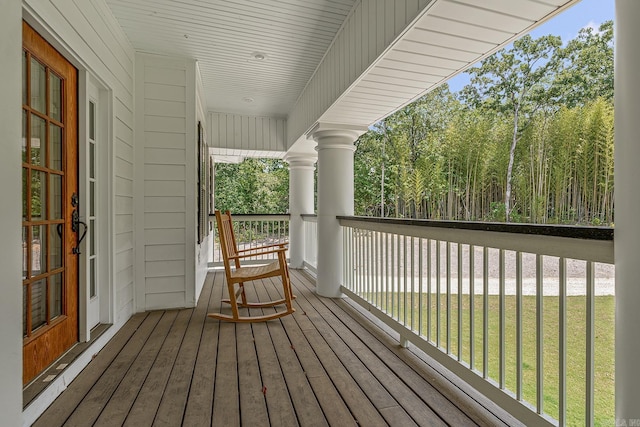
x: 38, y: 135
x: 25, y: 251
x: 25, y: 193
x: 55, y: 245
x: 38, y: 86
x: 92, y: 237
x: 55, y: 295
x: 25, y: 297
x: 24, y: 78
x: 55, y: 97
x: 92, y: 278
x: 92, y: 198
x: 55, y: 147
x: 55, y: 196
x: 24, y: 136
x: 38, y: 195
x: 92, y: 160
x: 38, y: 249
x: 92, y: 121
x: 38, y: 304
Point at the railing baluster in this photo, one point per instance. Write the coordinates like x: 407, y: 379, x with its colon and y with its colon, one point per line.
x: 345, y: 264
x: 472, y: 309
x: 485, y: 312
x: 352, y: 268
x: 519, y: 325
x: 562, y: 344
x: 356, y: 239
x: 362, y: 261
x: 376, y: 267
x: 398, y: 274
x: 438, y: 292
x: 413, y: 283
x: 372, y: 268
x: 349, y: 270
x: 429, y: 302
x: 501, y: 310
x: 386, y: 273
x: 539, y: 335
x: 420, y: 286
x: 448, y: 297
x: 393, y: 279
x: 590, y: 343
x: 459, y: 301
x: 365, y: 263
x: 404, y: 280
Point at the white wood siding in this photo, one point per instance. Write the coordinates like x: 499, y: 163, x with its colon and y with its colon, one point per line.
x: 90, y: 36
x: 167, y: 175
x: 247, y: 136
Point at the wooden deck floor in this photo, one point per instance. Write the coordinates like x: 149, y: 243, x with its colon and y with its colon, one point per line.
x: 325, y: 365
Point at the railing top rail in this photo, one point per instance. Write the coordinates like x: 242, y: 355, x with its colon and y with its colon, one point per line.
x: 583, y: 243
x: 309, y: 217
x: 569, y: 231
x: 257, y: 217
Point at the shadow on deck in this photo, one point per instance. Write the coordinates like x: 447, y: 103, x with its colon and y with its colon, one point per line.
x: 327, y: 364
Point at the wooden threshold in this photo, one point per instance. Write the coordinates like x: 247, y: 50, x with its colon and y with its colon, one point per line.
x: 42, y: 381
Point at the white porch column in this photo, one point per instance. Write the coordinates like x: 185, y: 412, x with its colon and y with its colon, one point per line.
x: 335, y: 197
x: 627, y: 201
x: 301, y: 168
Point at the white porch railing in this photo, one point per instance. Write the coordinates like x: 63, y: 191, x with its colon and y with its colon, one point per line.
x: 510, y: 309
x: 252, y: 231
x: 310, y: 241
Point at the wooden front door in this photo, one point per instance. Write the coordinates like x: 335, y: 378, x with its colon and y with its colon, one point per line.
x: 49, y: 199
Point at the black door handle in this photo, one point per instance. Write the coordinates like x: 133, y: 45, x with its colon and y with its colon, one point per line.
x: 75, y: 226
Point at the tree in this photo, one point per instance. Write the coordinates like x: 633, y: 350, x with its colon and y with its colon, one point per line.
x: 587, y: 73
x: 514, y: 82
x: 254, y: 186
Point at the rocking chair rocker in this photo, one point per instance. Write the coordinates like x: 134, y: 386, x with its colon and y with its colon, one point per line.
x: 240, y: 275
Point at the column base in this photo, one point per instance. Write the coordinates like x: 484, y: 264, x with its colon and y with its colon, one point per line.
x: 329, y: 295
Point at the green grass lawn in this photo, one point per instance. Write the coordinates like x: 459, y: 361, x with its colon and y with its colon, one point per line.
x: 576, y: 346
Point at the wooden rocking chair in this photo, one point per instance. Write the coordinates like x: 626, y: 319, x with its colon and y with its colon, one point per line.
x: 240, y: 275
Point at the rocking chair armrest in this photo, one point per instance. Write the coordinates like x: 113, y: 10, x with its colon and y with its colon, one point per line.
x: 262, y: 247
x: 273, y: 251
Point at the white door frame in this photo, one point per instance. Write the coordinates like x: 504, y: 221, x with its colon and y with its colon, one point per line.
x: 99, y: 309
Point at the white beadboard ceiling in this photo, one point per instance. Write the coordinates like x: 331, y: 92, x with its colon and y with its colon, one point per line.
x: 349, y: 86
x: 224, y: 36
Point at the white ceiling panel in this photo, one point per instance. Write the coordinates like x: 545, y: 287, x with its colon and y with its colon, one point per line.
x: 476, y: 15
x: 490, y: 35
x: 225, y: 35
x: 521, y: 9
x: 445, y: 40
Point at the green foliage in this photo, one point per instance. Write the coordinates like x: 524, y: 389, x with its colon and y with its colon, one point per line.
x: 256, y: 186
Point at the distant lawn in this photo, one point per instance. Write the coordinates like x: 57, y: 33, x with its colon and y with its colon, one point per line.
x: 604, y: 402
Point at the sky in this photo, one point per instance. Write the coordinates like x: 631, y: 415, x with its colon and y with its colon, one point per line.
x: 566, y: 25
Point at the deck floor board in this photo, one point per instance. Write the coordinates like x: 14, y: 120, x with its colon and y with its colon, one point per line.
x: 324, y: 365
